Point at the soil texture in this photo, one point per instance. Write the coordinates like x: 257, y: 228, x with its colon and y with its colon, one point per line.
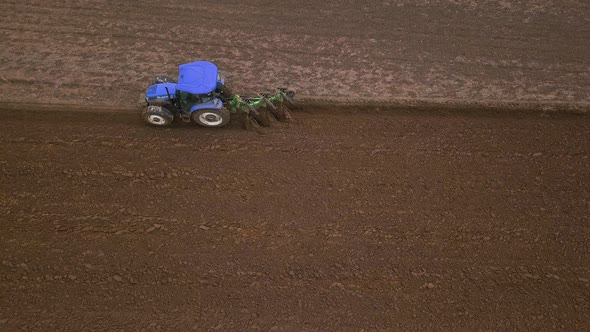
x: 340, y: 221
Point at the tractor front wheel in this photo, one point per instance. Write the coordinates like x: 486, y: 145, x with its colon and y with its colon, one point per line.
x: 158, y: 116
x: 211, y: 118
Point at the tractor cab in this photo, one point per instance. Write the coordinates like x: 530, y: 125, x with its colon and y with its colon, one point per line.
x: 197, y: 84
x: 186, y: 99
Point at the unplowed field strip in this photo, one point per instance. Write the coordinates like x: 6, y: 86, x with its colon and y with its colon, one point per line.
x: 105, y: 52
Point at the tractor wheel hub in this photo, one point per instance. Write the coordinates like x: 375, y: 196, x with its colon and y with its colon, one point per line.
x: 156, y: 119
x: 211, y: 118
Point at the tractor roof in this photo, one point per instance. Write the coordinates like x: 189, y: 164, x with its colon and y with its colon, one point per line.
x: 197, y: 77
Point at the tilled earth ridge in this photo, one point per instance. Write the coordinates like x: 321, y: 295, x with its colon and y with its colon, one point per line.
x: 105, y: 52
x: 361, y: 220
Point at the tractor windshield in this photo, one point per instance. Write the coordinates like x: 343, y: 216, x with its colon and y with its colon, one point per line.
x: 187, y: 99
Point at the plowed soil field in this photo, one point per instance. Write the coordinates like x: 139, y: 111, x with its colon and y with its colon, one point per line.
x: 347, y: 219
x: 339, y: 221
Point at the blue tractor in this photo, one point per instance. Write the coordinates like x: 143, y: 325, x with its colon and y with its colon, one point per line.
x: 198, y: 95
x: 201, y: 96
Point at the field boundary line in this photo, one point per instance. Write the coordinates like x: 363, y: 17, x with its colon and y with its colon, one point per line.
x: 322, y: 103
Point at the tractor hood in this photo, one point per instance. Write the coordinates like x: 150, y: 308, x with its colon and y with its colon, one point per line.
x: 160, y: 92
x: 198, y: 77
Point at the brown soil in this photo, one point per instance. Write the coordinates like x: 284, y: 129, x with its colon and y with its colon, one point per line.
x: 384, y: 220
x: 105, y: 52
x: 344, y: 220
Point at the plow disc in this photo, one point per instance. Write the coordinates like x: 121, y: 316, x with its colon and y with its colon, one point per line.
x: 264, y: 108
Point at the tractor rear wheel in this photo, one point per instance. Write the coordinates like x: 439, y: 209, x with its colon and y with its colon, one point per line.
x: 158, y: 116
x: 211, y: 118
